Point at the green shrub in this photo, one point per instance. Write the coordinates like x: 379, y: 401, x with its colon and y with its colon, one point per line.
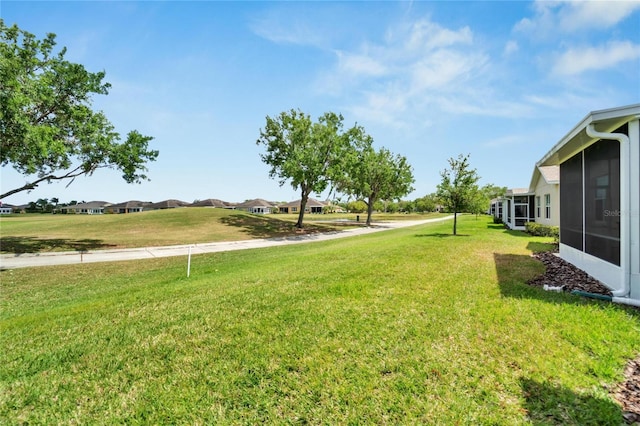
x: 497, y: 219
x: 540, y: 230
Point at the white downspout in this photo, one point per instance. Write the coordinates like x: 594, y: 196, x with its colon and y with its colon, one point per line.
x: 625, y: 205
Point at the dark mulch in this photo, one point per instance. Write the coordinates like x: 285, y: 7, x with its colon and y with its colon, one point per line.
x: 560, y: 273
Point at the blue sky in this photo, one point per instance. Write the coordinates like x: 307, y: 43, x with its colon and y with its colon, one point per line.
x: 500, y: 81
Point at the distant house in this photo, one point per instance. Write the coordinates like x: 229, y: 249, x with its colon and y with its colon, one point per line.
x: 6, y: 208
x: 312, y: 206
x: 545, y: 185
x: 258, y: 206
x: 92, y: 207
x: 537, y: 203
x: 599, y: 161
x: 213, y: 203
x: 515, y: 208
x: 166, y: 204
x: 127, y: 207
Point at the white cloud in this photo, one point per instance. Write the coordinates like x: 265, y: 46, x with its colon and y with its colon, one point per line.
x: 551, y: 17
x: 445, y: 70
x: 511, y: 47
x: 394, y: 81
x: 360, y: 64
x: 287, y: 29
x: 590, y: 15
x: 578, y: 60
x: 426, y: 35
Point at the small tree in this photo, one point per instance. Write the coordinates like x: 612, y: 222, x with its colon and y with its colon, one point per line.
x: 457, y: 187
x: 48, y: 130
x: 371, y: 175
x: 305, y: 153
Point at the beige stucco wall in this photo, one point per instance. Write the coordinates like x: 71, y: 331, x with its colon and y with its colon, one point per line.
x: 541, y: 189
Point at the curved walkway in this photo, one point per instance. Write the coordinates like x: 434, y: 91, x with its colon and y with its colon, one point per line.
x: 25, y: 260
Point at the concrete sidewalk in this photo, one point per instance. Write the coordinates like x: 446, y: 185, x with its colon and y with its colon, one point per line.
x: 25, y: 260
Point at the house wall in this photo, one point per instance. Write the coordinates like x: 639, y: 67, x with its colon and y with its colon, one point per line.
x: 600, y: 206
x: 553, y: 190
x: 634, y: 209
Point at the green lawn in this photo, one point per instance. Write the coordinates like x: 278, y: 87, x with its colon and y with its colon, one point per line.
x: 409, y: 326
x: 33, y: 233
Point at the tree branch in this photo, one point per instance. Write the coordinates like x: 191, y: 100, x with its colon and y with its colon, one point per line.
x: 72, y: 174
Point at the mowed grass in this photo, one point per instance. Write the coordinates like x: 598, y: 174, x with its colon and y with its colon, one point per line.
x: 408, y: 326
x: 36, y: 233
x: 42, y: 233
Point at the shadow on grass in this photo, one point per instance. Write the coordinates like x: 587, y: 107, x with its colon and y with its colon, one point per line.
x: 537, y: 247
x: 496, y: 226
x: 267, y: 227
x: 38, y: 245
x: 548, y: 403
x: 515, y: 270
x: 441, y: 235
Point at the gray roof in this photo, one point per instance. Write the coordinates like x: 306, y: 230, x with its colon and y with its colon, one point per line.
x: 130, y: 204
x: 518, y: 191
x: 258, y: 202
x: 167, y: 204
x: 551, y: 174
x: 210, y: 202
x: 311, y: 202
x: 89, y: 205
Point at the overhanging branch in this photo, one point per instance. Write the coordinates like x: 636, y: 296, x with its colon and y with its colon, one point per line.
x: 72, y: 174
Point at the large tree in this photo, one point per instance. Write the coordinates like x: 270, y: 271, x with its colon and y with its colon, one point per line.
x: 458, y: 187
x: 303, y: 152
x: 48, y: 130
x: 371, y: 175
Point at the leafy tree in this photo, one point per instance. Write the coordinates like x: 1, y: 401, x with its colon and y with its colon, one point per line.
x: 305, y: 153
x: 478, y: 202
x: 48, y: 130
x: 482, y: 197
x: 357, y: 206
x: 392, y: 207
x: 427, y: 203
x: 406, y: 206
x: 373, y: 175
x: 457, y: 187
x: 491, y: 191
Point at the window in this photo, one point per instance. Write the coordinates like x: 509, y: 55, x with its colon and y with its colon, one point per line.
x: 538, y: 206
x: 521, y: 210
x: 547, y: 206
x: 571, y: 202
x: 602, y: 200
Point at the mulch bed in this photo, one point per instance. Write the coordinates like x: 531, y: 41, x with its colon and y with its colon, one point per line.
x: 560, y: 273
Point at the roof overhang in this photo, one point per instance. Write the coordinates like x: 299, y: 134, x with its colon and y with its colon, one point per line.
x: 577, y: 139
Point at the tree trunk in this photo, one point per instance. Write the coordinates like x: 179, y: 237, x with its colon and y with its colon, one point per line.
x: 455, y: 222
x: 369, y: 212
x: 303, y: 206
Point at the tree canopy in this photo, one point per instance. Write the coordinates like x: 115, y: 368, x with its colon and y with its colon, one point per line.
x: 305, y: 153
x: 458, y: 187
x: 48, y: 130
x: 371, y: 175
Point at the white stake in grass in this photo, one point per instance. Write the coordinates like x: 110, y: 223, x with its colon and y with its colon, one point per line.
x: 189, y: 263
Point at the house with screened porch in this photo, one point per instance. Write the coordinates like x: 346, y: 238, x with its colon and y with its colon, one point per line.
x: 599, y: 171
x: 537, y: 203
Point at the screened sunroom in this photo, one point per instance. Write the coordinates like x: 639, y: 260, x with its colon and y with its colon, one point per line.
x: 599, y: 163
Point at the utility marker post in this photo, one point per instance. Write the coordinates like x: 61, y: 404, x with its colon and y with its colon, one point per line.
x: 189, y: 263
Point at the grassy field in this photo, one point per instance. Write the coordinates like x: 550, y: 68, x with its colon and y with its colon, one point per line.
x: 408, y: 326
x: 32, y: 233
